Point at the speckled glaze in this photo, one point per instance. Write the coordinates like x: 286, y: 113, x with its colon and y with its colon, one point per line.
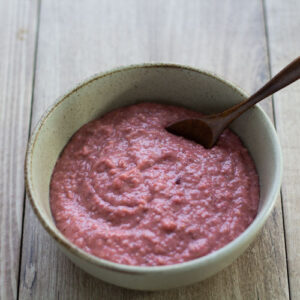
x: 169, y: 84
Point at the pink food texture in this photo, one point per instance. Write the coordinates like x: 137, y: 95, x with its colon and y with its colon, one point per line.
x: 126, y: 190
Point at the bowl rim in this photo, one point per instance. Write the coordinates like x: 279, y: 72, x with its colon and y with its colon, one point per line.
x: 219, y: 254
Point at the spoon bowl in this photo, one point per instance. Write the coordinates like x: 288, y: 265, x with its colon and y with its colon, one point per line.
x: 190, y: 129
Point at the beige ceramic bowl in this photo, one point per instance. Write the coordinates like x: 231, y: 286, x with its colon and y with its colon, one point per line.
x: 171, y: 84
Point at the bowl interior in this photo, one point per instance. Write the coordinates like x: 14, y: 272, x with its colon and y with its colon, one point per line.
x: 161, y: 83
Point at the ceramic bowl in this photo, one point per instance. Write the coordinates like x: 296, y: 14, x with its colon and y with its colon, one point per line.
x: 164, y: 83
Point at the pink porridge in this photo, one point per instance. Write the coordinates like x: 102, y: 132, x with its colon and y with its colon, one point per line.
x: 126, y: 190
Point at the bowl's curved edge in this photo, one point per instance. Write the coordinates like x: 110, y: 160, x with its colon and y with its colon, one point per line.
x: 138, y: 270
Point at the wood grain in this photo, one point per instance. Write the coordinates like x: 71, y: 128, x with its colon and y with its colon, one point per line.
x: 18, y: 23
x: 79, y: 38
x: 283, y: 29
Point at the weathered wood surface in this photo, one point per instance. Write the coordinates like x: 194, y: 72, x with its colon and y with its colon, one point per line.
x: 243, y: 41
x: 79, y: 38
x: 18, y: 24
x: 283, y: 22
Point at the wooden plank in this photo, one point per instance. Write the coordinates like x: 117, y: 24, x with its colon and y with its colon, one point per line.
x: 18, y: 23
x: 283, y: 29
x: 79, y: 38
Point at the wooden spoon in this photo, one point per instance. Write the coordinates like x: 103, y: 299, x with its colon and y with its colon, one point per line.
x: 206, y: 130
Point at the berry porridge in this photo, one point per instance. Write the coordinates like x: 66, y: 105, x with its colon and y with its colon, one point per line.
x: 126, y: 190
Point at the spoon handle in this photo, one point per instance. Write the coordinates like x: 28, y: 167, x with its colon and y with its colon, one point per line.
x: 285, y: 77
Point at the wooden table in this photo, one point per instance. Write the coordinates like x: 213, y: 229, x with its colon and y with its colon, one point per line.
x: 47, y: 46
